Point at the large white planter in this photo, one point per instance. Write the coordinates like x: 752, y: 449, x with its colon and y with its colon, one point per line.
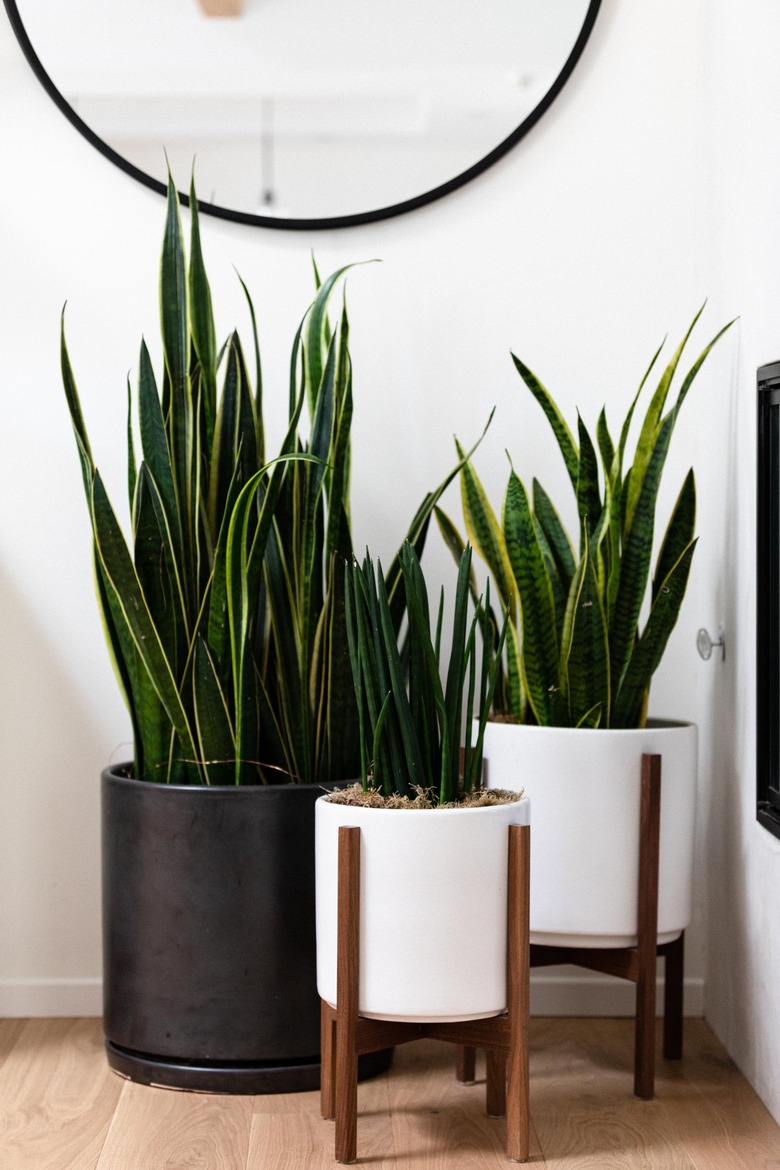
x: 433, y: 908
x: 585, y: 787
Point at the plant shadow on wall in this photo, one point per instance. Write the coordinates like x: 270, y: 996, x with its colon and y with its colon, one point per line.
x: 224, y: 615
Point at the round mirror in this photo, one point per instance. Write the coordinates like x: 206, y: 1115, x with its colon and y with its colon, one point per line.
x: 304, y: 113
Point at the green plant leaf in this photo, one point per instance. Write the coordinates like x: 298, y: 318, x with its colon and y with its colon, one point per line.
x: 317, y: 336
x: 121, y: 652
x: 333, y: 699
x: 414, y: 769
x: 679, y: 533
x: 455, y: 543
x: 652, y: 422
x: 490, y: 673
x: 568, y: 447
x: 260, y: 437
x: 390, y: 760
x: 131, y: 468
x: 456, y: 674
x: 688, y: 380
x: 585, y: 670
x: 559, y: 593
x: 76, y: 416
x: 554, y: 531
x: 339, y: 539
x: 651, y: 645
x: 245, y: 549
x: 216, y: 740
x: 157, y: 572
x: 606, y: 446
x: 588, y: 496
x: 485, y: 533
x: 418, y: 529
x: 591, y: 718
x: 121, y: 580
x: 540, y: 662
x: 635, y: 567
x: 154, y: 444
x: 617, y: 471
x: 204, y: 338
x: 176, y: 352
x: 515, y: 701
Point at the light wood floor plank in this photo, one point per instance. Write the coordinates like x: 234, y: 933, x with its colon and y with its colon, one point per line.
x: 61, y: 1109
x: 288, y: 1131
x: 58, y: 1097
x: 10, y: 1031
x: 705, y: 1115
x: 439, y: 1124
x: 583, y: 1105
x: 161, y: 1129
x: 729, y: 1127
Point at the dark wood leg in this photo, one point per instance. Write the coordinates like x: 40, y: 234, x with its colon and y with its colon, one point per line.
x: 495, y: 1097
x: 347, y: 994
x: 466, y: 1064
x: 327, y: 1060
x: 518, y: 993
x: 674, y: 965
x: 647, y: 927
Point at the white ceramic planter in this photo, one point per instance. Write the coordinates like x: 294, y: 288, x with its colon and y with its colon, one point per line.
x: 585, y: 786
x: 433, y: 908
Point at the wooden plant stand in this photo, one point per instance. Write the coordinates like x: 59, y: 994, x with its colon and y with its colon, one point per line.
x: 347, y: 1035
x: 636, y: 963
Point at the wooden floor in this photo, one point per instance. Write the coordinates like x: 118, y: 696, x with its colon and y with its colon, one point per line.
x: 61, y: 1109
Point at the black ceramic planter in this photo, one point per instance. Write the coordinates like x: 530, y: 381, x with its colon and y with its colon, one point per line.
x: 208, y: 936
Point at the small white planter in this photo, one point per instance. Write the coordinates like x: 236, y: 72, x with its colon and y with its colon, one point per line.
x: 433, y: 908
x: 585, y: 786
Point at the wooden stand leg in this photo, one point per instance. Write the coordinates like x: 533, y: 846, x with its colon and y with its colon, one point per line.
x: 327, y: 1061
x: 466, y: 1064
x: 495, y: 1096
x: 673, y: 998
x: 518, y: 992
x: 647, y: 927
x: 347, y: 981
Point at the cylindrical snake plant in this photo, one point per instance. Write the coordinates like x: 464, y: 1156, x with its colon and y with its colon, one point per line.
x: 415, y: 717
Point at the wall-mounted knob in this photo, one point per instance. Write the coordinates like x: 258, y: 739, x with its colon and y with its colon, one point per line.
x: 705, y: 644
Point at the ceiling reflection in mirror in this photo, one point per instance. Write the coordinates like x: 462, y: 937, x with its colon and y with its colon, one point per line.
x: 305, y: 109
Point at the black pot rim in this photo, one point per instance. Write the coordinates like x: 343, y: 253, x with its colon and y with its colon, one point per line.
x: 119, y: 774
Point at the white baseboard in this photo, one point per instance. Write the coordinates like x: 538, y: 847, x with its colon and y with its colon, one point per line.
x: 581, y: 994
x: 51, y: 997
x: 591, y: 994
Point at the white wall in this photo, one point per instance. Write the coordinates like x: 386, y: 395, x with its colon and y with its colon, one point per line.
x: 580, y: 250
x: 743, y: 971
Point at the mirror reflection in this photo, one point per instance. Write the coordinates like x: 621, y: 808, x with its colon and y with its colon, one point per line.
x: 304, y: 108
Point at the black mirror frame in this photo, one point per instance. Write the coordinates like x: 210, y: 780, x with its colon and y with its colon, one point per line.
x: 338, y: 221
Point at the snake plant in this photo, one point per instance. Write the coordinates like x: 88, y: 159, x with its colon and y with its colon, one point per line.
x: 578, y: 653
x: 412, y: 727
x: 224, y: 611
